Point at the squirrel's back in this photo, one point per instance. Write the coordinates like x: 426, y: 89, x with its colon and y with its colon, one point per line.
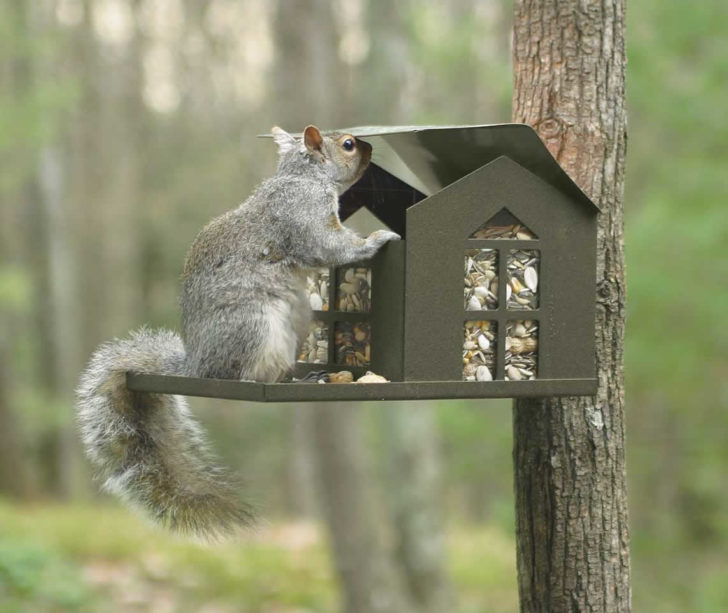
x: 243, y: 303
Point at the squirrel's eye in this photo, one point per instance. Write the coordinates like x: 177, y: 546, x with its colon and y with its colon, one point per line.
x: 348, y: 145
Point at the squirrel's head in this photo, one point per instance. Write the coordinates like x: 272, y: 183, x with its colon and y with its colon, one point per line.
x: 342, y: 157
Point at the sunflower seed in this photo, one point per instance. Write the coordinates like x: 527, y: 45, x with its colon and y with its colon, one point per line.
x: 316, y: 302
x: 482, y: 373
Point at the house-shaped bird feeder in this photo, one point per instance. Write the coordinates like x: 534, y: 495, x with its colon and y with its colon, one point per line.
x: 490, y: 292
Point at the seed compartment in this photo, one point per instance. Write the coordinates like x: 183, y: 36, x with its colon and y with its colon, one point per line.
x: 315, y: 347
x: 481, y: 279
x: 521, y: 357
x: 479, y: 350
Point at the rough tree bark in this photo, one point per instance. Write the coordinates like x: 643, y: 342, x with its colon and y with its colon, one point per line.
x: 571, y: 505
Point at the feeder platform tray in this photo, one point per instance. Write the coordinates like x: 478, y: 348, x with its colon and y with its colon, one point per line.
x: 395, y: 390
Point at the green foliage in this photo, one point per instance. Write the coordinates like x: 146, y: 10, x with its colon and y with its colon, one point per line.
x: 31, y: 100
x: 102, y: 558
x: 677, y: 346
x: 477, y: 439
x: 457, y: 54
x: 16, y: 290
x: 105, y: 559
x: 31, y: 576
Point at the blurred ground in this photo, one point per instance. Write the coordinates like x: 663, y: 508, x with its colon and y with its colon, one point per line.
x: 101, y: 558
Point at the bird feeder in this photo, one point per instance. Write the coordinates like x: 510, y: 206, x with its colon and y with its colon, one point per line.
x: 490, y: 292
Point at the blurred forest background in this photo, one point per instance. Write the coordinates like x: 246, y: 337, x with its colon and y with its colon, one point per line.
x: 126, y: 124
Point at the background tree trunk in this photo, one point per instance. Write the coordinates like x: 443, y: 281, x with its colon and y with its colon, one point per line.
x: 571, y: 505
x: 413, y: 487
x: 63, y: 333
x: 121, y: 117
x: 14, y: 465
x: 370, y: 582
x: 304, y: 83
x: 414, y: 495
x: 61, y: 305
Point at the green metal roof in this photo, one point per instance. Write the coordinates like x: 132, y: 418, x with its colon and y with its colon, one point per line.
x: 429, y: 158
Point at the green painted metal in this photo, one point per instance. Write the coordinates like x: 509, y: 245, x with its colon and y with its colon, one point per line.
x: 436, y: 230
x: 310, y: 392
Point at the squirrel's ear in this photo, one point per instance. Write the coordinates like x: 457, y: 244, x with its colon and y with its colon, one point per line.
x: 312, y: 138
x: 283, y: 139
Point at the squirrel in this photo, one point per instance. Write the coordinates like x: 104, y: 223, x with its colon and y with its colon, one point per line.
x: 244, y: 309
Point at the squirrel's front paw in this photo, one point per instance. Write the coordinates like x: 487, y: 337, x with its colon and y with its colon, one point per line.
x: 384, y: 236
x: 376, y: 240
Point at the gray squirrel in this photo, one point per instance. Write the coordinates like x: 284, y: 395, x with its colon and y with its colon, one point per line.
x: 244, y: 310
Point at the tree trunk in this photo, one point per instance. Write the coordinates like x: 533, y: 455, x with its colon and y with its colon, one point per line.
x: 16, y: 89
x: 121, y: 118
x: 14, y: 479
x: 370, y: 582
x: 571, y: 504
x: 301, y: 462
x: 62, y: 331
x: 303, y: 86
x: 413, y: 453
x: 415, y: 499
x: 314, y: 85
x: 62, y: 299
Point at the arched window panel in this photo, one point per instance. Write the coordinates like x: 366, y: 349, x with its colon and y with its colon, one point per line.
x: 314, y: 348
x: 523, y: 273
x: 352, y: 343
x: 317, y: 288
x: 479, y: 350
x: 353, y: 289
x: 481, y: 279
x: 521, y: 357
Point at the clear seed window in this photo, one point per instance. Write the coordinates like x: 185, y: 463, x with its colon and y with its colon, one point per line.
x: 352, y: 342
x: 522, y: 288
x: 315, y: 347
x: 510, y: 351
x: 481, y: 279
x: 521, y: 350
x: 341, y: 335
x: 479, y: 350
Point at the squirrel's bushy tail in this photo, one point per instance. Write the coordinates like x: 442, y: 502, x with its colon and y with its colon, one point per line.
x: 147, y: 448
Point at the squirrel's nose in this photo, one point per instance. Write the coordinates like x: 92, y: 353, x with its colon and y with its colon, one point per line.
x: 364, y: 146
